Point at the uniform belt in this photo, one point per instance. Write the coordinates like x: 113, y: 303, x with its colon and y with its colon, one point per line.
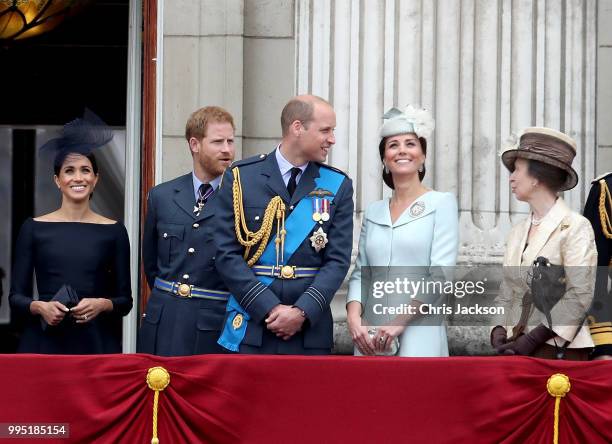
x: 284, y: 271
x: 189, y: 291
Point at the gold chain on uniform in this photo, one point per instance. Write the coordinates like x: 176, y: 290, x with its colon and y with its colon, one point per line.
x: 275, y: 209
x: 603, y: 213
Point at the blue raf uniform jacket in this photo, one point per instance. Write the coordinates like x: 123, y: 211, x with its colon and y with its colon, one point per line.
x: 261, y: 181
x: 178, y: 247
x: 601, y: 309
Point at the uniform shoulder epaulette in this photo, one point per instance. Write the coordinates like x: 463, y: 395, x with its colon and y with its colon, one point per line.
x: 603, y: 176
x: 248, y: 160
x: 332, y: 168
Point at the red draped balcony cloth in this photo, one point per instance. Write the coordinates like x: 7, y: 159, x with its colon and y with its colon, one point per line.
x: 293, y: 399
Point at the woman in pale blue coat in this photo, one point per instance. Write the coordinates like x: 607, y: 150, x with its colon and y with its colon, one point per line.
x: 417, y: 228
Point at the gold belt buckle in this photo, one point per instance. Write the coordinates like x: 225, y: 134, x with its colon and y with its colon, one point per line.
x: 184, y: 290
x: 287, y: 272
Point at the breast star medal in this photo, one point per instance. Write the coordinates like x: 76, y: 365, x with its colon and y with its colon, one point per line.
x: 417, y: 209
x: 318, y: 240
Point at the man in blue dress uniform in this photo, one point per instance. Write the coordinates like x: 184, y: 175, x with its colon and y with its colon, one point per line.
x: 185, y: 313
x: 598, y: 209
x: 284, y: 227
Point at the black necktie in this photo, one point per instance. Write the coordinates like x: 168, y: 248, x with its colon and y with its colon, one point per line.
x: 204, y: 192
x: 292, y: 184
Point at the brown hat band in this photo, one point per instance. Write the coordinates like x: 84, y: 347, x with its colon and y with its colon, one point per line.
x: 547, y: 146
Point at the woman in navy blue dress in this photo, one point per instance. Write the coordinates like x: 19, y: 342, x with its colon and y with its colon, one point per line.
x: 77, y: 247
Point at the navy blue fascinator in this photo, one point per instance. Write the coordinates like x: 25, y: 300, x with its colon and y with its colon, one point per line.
x: 81, y: 136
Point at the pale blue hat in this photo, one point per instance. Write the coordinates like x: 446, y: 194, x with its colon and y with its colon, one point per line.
x: 411, y: 120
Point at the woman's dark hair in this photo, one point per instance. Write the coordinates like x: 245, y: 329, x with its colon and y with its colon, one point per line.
x: 552, y: 177
x: 388, y: 177
x: 61, y: 157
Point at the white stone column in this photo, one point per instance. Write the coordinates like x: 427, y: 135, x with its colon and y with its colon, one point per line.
x: 604, y: 87
x: 202, y: 61
x: 269, y: 53
x: 486, y: 68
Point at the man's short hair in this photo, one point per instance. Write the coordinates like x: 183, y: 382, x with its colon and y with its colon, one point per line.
x: 299, y: 108
x: 198, y: 121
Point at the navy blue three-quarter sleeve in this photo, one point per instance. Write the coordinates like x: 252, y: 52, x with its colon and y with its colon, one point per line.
x: 20, y: 296
x: 122, y: 299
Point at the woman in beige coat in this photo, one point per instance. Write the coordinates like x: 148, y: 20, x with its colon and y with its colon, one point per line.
x: 541, y: 168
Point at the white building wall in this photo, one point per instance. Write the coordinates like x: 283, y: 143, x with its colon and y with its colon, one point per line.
x: 485, y: 68
x: 604, y: 87
x: 238, y: 54
x: 269, y: 52
x: 202, y: 64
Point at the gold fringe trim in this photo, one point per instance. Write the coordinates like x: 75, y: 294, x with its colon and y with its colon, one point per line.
x: 603, y: 338
x: 604, y: 195
x: 275, y: 209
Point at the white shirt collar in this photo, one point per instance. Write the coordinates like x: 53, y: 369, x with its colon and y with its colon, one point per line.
x: 197, y: 182
x: 285, y: 166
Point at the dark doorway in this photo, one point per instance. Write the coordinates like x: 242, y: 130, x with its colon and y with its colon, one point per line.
x: 50, y: 78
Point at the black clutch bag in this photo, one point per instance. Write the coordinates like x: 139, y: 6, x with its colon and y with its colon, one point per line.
x: 547, y: 285
x: 66, y: 296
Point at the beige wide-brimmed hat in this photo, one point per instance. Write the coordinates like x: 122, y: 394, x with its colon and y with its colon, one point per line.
x: 548, y: 146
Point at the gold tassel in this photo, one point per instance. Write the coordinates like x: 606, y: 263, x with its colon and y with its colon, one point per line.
x: 558, y: 385
x: 276, y: 207
x: 158, y: 379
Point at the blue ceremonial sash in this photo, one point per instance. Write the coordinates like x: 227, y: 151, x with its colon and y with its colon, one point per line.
x: 298, y: 225
x: 231, y: 337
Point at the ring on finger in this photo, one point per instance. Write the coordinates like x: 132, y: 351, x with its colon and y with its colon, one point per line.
x: 85, y: 317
